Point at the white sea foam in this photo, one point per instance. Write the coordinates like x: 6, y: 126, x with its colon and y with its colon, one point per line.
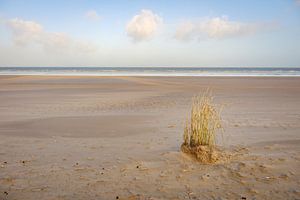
x: 151, y: 71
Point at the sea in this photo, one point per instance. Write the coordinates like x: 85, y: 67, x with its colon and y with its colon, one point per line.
x: 153, y: 71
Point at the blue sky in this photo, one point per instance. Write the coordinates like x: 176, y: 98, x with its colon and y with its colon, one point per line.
x: 150, y: 33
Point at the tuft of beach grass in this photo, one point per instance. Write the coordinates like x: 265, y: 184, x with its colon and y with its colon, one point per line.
x: 199, y: 138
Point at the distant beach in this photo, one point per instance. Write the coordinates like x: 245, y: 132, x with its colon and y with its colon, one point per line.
x: 79, y: 137
x: 154, y: 71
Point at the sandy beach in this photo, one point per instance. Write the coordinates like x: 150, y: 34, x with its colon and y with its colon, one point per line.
x: 119, y: 138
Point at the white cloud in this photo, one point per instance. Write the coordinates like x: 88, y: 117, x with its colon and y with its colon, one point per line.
x: 297, y: 2
x: 24, y: 31
x: 215, y: 28
x: 30, y: 32
x: 143, y: 26
x: 92, y: 15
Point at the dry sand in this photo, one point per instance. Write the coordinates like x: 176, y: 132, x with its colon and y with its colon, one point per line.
x: 119, y: 138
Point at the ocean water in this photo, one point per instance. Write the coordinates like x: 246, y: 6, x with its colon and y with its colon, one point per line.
x: 151, y: 71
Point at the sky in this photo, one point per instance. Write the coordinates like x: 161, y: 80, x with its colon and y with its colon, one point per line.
x: 132, y: 33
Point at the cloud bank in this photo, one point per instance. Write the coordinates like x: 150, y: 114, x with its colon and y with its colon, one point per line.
x: 143, y: 26
x: 216, y: 28
x: 32, y: 33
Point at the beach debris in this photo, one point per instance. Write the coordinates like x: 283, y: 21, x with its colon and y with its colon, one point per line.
x: 189, y: 192
x: 117, y: 197
x: 178, y: 177
x: 136, y: 178
x: 204, y: 177
x: 38, y: 189
x: 292, y: 173
x: 268, y: 179
x: 24, y: 161
x: 102, y: 171
x: 163, y: 174
x: 244, y: 198
x: 6, y: 193
x: 90, y: 158
x: 85, y: 169
x: 185, y: 170
x: 171, y: 126
x: 253, y: 191
x: 123, y: 169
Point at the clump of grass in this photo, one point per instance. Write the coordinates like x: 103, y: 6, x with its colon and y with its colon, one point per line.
x: 200, y: 130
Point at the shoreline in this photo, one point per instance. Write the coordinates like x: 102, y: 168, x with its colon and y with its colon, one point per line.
x: 155, y: 71
x: 150, y: 75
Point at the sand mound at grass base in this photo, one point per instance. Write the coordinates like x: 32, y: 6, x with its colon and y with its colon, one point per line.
x: 204, y: 154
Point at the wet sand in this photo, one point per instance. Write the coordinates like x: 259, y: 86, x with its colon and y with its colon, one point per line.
x: 119, y: 138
